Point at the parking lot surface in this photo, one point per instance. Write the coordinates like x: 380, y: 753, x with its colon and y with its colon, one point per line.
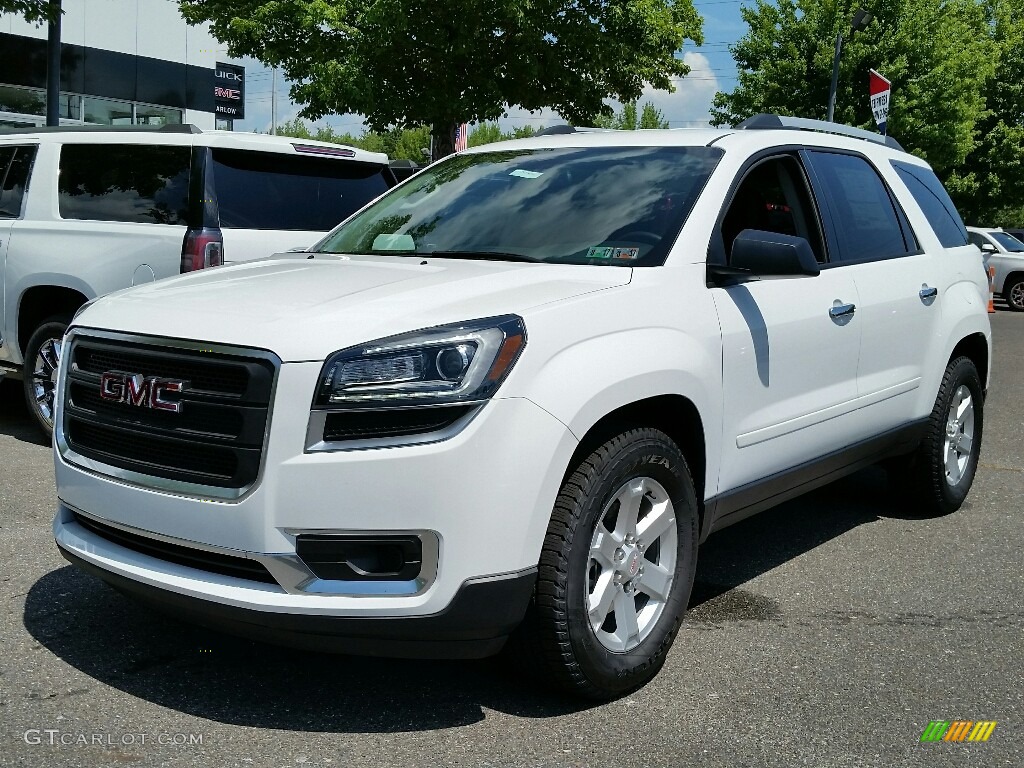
x: 827, y: 632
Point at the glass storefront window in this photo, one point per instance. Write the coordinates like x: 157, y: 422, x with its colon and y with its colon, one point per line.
x: 146, y: 115
x: 107, y: 111
x: 22, y: 101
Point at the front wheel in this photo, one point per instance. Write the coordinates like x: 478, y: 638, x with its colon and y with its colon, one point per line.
x: 938, y: 476
x: 42, y: 358
x: 617, y: 566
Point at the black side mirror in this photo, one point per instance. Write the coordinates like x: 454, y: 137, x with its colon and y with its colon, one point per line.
x: 769, y: 253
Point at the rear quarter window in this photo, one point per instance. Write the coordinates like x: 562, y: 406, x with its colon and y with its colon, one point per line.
x: 266, y: 190
x: 15, y: 169
x: 935, y: 203
x: 124, y: 182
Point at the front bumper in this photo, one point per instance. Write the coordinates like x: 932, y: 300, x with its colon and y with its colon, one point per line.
x: 484, y: 496
x: 475, y: 624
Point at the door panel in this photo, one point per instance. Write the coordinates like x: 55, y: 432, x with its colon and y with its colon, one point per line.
x: 789, y: 372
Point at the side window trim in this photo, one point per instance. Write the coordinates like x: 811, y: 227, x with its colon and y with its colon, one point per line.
x: 911, y: 244
x: 716, y: 246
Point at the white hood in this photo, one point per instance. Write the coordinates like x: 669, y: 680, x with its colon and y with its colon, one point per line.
x: 305, y: 309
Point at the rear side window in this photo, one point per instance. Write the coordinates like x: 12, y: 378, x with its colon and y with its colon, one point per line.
x: 935, y: 204
x: 864, y: 215
x: 15, y: 168
x: 266, y: 190
x: 124, y: 182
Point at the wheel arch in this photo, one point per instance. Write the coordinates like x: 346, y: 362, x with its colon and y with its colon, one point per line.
x: 40, y: 302
x: 675, y: 415
x: 975, y: 348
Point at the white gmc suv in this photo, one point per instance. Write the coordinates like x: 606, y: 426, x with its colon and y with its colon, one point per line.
x: 514, y: 394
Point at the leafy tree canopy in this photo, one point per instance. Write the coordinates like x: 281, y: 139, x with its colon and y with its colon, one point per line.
x: 31, y: 10
x: 445, y: 62
x: 989, y: 189
x: 938, y: 54
x: 627, y: 120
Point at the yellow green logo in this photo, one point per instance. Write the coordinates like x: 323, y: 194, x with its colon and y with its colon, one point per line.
x: 958, y: 730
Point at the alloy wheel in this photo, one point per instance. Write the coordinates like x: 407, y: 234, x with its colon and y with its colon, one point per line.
x: 632, y: 564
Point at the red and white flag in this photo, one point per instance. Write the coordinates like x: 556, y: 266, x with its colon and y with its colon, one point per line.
x: 879, y: 89
x: 461, y: 137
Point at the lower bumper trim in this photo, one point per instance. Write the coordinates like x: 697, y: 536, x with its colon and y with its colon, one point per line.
x: 475, y: 624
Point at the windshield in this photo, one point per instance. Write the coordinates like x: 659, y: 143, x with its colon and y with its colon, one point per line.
x: 619, y: 206
x: 1009, y: 242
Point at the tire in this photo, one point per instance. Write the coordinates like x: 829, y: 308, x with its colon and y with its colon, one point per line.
x: 39, y: 377
x: 589, y: 547
x: 938, y: 475
x: 1013, y: 292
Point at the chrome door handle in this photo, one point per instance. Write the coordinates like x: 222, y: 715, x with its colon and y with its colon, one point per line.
x: 927, y: 293
x: 842, y: 310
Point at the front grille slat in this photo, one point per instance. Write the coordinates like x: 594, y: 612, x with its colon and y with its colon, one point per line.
x: 216, y: 439
x: 201, y: 559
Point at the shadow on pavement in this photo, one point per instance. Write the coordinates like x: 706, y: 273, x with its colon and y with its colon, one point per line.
x: 214, y: 676
x: 15, y: 420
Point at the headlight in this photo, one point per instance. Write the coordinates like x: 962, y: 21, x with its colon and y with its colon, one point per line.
x: 449, y: 364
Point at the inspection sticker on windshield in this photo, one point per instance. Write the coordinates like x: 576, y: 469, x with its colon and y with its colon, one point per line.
x: 600, y: 252
x: 526, y: 174
x: 625, y: 253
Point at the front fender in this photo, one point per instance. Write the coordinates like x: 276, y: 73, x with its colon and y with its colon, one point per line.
x: 582, y: 383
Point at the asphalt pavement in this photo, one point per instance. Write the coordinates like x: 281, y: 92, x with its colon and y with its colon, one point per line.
x: 827, y: 632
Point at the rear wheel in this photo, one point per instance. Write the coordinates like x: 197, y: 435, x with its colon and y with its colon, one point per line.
x: 42, y: 359
x: 1013, y: 292
x: 938, y: 476
x: 617, y: 567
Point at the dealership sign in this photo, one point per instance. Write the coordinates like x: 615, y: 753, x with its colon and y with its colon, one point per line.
x: 229, y: 90
x: 879, y: 88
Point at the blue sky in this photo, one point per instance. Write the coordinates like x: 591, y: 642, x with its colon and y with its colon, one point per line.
x: 712, y: 69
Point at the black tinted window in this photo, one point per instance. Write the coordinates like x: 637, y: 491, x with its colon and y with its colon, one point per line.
x: 264, y: 190
x: 864, y: 215
x: 15, y: 167
x: 124, y: 182
x: 773, y: 197
x: 935, y: 204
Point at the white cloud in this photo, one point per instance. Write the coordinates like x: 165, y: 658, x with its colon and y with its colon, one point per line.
x: 690, y: 104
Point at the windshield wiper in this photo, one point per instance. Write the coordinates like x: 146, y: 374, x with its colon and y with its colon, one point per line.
x: 483, y: 255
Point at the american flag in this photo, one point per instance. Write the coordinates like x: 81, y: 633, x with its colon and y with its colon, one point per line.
x: 461, y: 136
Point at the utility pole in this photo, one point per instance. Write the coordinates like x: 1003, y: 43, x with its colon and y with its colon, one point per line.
x: 273, y: 102
x: 859, y: 23
x: 53, y: 65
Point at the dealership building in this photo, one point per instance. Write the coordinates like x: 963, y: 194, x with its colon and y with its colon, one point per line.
x: 123, y: 62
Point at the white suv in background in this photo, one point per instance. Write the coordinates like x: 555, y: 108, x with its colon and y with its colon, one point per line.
x: 514, y: 394
x: 89, y: 210
x: 1005, y: 254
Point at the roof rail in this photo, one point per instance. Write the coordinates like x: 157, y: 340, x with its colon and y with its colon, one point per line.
x: 769, y: 121
x: 555, y: 130
x: 173, y: 128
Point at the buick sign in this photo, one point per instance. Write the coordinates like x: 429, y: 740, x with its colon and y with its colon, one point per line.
x: 141, y: 391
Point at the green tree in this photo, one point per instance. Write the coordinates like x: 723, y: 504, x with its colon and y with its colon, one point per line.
x: 627, y: 120
x: 937, y: 53
x: 36, y: 11
x: 411, y: 62
x: 485, y: 133
x: 652, y: 117
x: 989, y: 190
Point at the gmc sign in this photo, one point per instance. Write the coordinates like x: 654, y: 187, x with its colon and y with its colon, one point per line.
x: 141, y: 391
